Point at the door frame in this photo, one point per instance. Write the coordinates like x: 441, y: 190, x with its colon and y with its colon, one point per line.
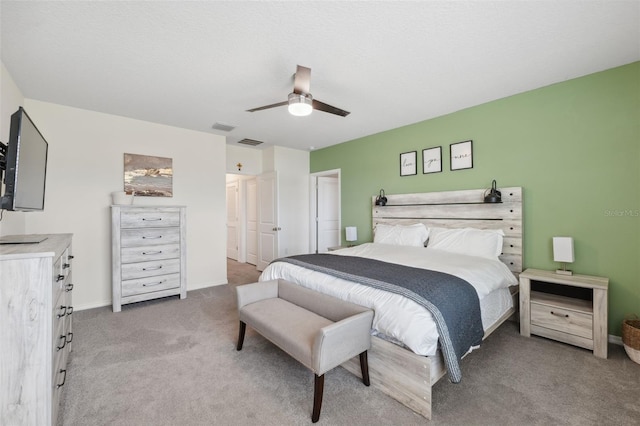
x: 313, y: 196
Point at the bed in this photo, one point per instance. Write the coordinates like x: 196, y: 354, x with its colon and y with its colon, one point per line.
x: 403, y: 364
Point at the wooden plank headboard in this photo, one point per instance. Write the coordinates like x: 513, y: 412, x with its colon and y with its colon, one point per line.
x: 461, y: 209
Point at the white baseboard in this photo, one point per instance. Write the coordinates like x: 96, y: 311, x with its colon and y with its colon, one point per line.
x: 103, y: 303
x: 206, y: 285
x: 616, y: 340
x: 91, y: 305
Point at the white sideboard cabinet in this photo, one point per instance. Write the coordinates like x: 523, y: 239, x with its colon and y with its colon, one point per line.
x: 35, y: 328
x: 148, y: 253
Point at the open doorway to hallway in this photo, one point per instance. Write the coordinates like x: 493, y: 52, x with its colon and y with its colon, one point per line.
x: 242, y: 218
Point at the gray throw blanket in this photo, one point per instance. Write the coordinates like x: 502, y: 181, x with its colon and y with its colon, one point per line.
x: 452, y: 301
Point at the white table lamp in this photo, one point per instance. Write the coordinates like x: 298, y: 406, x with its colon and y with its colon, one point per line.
x: 563, y: 253
x: 351, y: 234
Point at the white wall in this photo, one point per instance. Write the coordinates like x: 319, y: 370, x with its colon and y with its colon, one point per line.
x: 10, y: 99
x: 86, y: 164
x: 250, y: 158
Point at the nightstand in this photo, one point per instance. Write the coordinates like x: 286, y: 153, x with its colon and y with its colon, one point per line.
x: 334, y: 248
x: 568, y: 308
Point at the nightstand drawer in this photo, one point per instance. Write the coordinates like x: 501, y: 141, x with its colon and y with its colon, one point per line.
x: 563, y: 320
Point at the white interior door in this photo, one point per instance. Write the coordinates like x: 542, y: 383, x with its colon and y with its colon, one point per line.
x: 252, y: 221
x: 232, y: 220
x: 328, y: 213
x: 268, y: 238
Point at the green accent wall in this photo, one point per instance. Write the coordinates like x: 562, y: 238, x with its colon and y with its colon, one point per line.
x: 574, y: 147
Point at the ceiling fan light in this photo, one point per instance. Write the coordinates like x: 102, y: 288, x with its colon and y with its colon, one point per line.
x: 300, y: 104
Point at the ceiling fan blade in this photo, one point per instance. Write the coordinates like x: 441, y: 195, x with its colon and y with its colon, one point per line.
x: 268, y: 106
x: 302, y: 80
x: 321, y: 106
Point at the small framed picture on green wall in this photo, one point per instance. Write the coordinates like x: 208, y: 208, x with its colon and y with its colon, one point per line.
x: 408, y: 164
x: 461, y: 155
x: 432, y: 160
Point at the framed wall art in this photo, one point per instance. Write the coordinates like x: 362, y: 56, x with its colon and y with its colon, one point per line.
x: 461, y: 155
x: 408, y: 163
x: 146, y: 175
x: 432, y: 160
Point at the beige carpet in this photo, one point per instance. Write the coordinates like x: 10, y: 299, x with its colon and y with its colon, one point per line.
x: 173, y: 362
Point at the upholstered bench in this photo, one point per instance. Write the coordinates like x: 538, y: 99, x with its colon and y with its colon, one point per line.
x: 319, y: 331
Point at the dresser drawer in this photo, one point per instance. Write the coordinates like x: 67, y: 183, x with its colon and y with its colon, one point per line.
x: 563, y: 320
x: 59, y: 278
x: 151, y: 284
x: 132, y: 271
x: 58, y: 382
x: 145, y: 254
x: 149, y: 217
x: 59, y: 336
x: 149, y: 237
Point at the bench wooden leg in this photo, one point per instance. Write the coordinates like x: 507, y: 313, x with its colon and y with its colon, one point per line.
x: 243, y: 328
x: 317, y: 397
x: 364, y: 366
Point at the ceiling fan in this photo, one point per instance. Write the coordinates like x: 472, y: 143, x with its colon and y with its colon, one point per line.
x: 300, y: 100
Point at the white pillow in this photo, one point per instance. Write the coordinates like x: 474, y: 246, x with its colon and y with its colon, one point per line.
x: 401, y: 235
x: 469, y: 241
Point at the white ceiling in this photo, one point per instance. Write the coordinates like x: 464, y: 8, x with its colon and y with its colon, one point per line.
x: 191, y: 64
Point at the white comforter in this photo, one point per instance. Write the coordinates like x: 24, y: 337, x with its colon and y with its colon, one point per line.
x: 396, y: 317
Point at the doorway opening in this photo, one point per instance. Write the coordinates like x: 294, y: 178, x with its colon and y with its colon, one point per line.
x: 242, y: 218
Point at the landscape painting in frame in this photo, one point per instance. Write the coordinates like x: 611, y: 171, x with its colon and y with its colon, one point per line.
x: 149, y: 176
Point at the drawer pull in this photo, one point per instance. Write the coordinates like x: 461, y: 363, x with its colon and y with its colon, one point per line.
x: 154, y: 219
x: 66, y: 265
x: 155, y: 237
x: 64, y: 379
x: 69, y: 310
x: 59, y: 278
x: 154, y: 284
x: 154, y: 268
x: 64, y: 311
x: 62, y: 338
x: 559, y: 315
x: 68, y: 287
x: 152, y: 252
x: 69, y: 339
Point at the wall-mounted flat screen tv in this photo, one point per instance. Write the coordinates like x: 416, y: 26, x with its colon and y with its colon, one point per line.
x: 26, y: 165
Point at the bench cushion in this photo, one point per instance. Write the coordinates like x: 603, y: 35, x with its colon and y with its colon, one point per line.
x: 289, y: 326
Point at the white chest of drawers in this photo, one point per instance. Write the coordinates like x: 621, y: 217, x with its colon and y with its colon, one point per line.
x: 148, y: 253
x: 35, y: 329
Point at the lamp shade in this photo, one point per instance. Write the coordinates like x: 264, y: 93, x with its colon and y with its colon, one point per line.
x: 351, y: 233
x: 563, y: 249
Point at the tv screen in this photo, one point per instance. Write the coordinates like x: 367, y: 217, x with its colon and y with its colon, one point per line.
x: 26, y: 165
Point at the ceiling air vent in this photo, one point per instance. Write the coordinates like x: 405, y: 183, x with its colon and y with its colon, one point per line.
x: 251, y: 142
x: 223, y: 127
